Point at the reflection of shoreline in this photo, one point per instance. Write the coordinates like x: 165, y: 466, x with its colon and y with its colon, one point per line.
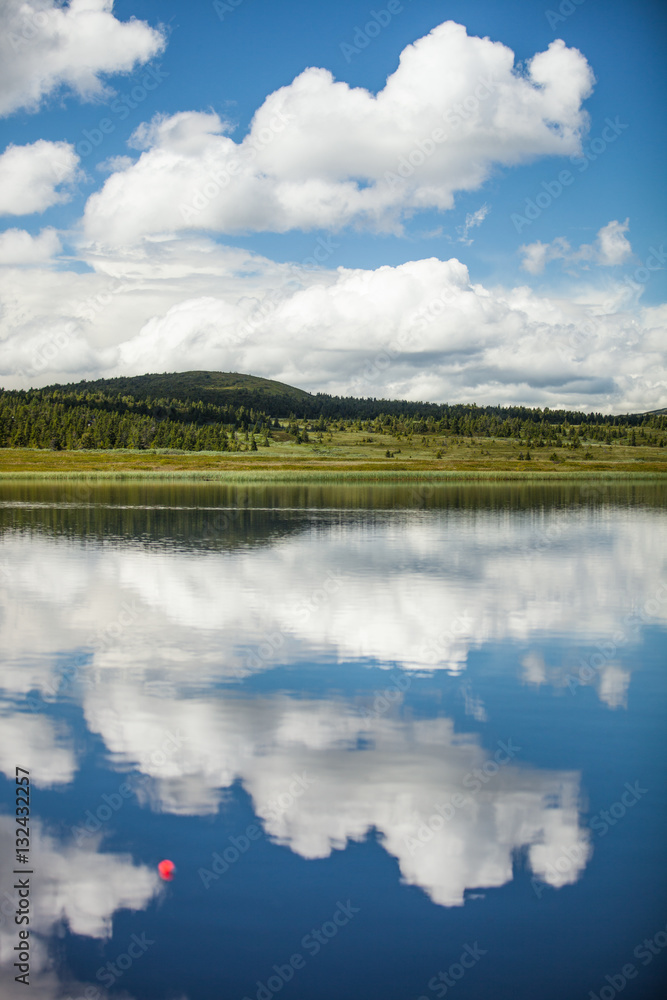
x: 411, y: 590
x: 205, y: 515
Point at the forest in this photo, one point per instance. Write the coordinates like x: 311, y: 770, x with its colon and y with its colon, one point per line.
x: 86, y: 417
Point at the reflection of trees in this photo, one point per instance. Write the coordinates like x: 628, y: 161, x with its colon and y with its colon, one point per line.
x: 416, y: 589
x: 206, y: 515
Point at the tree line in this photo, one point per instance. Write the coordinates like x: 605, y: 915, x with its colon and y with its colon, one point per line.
x: 73, y: 418
x: 58, y: 419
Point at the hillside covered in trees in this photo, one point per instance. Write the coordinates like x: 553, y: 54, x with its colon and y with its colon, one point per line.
x: 276, y: 399
x: 209, y: 411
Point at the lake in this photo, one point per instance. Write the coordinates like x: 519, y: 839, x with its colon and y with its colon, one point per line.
x: 398, y: 742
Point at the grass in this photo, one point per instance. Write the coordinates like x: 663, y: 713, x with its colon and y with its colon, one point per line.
x: 350, y: 456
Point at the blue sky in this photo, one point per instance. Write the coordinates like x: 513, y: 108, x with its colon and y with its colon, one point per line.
x: 572, y: 255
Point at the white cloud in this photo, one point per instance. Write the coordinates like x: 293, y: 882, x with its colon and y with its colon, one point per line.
x: 46, y: 45
x: 18, y: 247
x: 30, y: 176
x: 320, y: 154
x: 114, y: 164
x: 536, y: 255
x: 421, y: 330
x: 613, y: 248
x: 610, y: 249
x: 473, y: 219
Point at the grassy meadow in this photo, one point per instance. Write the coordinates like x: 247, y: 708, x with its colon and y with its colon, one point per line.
x: 349, y: 452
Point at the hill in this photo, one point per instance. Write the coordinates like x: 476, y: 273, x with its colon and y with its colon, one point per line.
x: 216, y: 388
x: 230, y: 412
x: 276, y: 399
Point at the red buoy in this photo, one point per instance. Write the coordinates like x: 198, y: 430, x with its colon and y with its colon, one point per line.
x: 166, y: 869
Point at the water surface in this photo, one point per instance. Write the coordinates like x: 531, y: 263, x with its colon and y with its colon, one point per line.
x: 399, y: 742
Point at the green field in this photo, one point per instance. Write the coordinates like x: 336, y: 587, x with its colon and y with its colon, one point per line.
x: 351, y: 453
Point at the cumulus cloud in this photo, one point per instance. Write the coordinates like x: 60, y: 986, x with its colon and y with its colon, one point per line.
x: 18, y: 247
x: 421, y: 330
x: 611, y: 248
x: 321, y: 154
x: 612, y: 245
x: 30, y: 176
x: 46, y: 45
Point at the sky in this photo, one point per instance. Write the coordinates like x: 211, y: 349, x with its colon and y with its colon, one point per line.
x: 421, y: 199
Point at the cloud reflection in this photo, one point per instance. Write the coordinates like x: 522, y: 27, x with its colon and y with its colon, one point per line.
x: 419, y: 592
x: 315, y: 789
x: 76, y: 886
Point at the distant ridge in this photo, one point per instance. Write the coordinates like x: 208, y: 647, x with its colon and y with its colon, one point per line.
x: 207, y: 411
x: 277, y: 399
x: 219, y: 388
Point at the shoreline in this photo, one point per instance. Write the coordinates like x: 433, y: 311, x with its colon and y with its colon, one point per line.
x: 339, y: 477
x: 40, y: 465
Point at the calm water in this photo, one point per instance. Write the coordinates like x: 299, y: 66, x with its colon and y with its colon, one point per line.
x: 400, y: 744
